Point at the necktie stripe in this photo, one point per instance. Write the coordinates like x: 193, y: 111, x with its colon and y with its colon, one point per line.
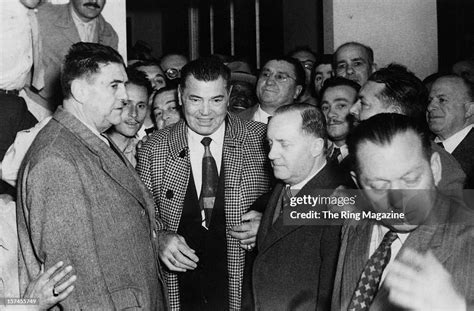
x: 210, y: 181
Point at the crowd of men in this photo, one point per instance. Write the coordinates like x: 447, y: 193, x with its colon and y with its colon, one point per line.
x: 169, y: 184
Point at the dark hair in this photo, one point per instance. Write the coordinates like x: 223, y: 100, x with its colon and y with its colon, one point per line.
x: 168, y: 87
x: 85, y: 59
x: 205, y: 69
x: 303, y: 48
x: 146, y: 63
x: 313, y: 120
x: 382, y: 128
x: 402, y: 89
x: 139, y: 78
x: 300, y: 75
x: 368, y: 51
x: 338, y: 81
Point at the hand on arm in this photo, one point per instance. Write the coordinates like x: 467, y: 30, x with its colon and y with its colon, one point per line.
x: 247, y: 231
x: 175, y: 253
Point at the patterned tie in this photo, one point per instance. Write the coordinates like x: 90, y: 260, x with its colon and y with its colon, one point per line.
x: 369, y: 280
x: 210, y: 179
x: 335, y: 153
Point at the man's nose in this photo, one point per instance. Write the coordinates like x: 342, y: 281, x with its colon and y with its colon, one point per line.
x: 205, y: 108
x: 132, y: 111
x: 355, y: 109
x: 122, y: 92
x: 350, y: 69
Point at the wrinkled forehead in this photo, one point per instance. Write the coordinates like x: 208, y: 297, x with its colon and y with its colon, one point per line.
x: 351, y: 52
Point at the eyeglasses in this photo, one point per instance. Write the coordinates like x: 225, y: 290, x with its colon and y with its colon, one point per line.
x: 172, y: 73
x: 279, y: 77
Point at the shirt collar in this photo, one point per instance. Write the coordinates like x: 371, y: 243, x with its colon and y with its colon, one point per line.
x: 261, y: 115
x: 454, y: 140
x: 217, y: 137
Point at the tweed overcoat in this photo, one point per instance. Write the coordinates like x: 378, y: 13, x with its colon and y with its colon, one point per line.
x: 164, y: 166
x: 80, y: 203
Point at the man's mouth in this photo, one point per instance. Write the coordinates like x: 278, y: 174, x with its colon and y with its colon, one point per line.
x: 92, y: 5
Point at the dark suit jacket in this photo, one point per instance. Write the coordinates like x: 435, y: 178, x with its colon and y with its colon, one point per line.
x: 248, y: 113
x: 448, y: 233
x: 164, y: 166
x: 464, y: 153
x: 294, y: 268
x: 80, y: 203
x: 58, y: 33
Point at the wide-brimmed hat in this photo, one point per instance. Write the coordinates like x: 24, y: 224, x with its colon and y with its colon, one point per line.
x: 240, y: 71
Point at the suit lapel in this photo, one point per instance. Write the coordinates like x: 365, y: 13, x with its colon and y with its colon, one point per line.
x: 66, y: 23
x: 267, y: 218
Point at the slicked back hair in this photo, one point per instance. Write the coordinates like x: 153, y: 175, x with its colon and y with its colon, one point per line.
x: 402, y: 89
x: 85, y: 59
x: 139, y: 78
x: 338, y: 81
x: 205, y: 69
x: 313, y: 120
x: 382, y: 128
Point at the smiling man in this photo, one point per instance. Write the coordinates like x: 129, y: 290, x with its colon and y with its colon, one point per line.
x: 204, y: 173
x: 281, y: 81
x: 134, y: 112
x: 337, y: 97
x: 81, y: 202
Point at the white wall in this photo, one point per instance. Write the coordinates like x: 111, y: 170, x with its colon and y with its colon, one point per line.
x: 401, y: 31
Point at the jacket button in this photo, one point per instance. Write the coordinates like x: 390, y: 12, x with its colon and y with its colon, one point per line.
x: 169, y: 194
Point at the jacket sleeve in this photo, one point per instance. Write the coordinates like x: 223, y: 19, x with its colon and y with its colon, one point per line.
x: 60, y: 223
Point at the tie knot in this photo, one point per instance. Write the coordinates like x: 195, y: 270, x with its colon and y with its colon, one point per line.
x: 206, y: 141
x: 389, y: 237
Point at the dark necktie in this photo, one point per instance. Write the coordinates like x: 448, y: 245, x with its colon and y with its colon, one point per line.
x: 335, y: 153
x: 210, y: 180
x: 440, y: 144
x: 285, y: 202
x: 370, y: 279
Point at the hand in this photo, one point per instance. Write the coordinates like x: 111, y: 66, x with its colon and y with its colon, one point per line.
x: 420, y: 282
x: 175, y: 253
x: 247, y: 231
x: 43, y: 285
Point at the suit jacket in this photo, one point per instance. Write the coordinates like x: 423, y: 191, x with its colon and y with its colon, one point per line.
x: 295, y: 265
x: 58, y: 33
x: 164, y: 166
x: 80, y: 203
x: 464, y: 153
x: 448, y: 233
x: 248, y: 113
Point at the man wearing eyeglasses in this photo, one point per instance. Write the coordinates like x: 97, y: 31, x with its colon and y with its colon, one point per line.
x: 354, y: 61
x: 281, y: 81
x: 172, y: 64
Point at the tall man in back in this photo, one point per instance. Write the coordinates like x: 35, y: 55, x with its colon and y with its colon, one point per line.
x: 354, y: 61
x: 81, y: 202
x: 281, y: 81
x: 204, y: 173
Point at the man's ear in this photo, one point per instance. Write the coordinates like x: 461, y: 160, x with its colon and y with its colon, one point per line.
x: 436, y: 167
x: 469, y: 107
x: 298, y: 90
x: 317, y: 147
x: 179, y: 96
x: 375, y: 67
x: 79, y: 89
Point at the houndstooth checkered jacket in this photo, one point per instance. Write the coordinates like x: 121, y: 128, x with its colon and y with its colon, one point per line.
x: 164, y: 166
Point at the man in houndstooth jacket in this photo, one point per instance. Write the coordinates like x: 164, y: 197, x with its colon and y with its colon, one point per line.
x: 205, y: 263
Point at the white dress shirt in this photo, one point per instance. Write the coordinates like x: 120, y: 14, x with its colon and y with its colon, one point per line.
x: 378, y: 233
x: 16, y: 56
x: 260, y: 115
x: 86, y: 30
x: 196, y: 152
x: 451, y: 143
